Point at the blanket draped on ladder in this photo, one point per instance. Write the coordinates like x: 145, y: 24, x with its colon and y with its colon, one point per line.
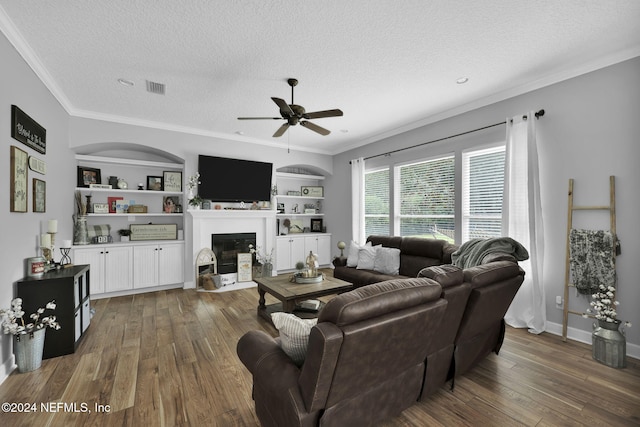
x: 592, y: 259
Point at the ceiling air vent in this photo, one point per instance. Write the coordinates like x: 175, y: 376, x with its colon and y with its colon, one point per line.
x: 154, y: 87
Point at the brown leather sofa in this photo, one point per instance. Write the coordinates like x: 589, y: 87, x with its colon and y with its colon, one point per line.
x: 470, y: 334
x: 365, y: 361
x: 416, y: 253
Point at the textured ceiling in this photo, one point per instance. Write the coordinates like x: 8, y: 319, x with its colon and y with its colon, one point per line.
x: 389, y: 65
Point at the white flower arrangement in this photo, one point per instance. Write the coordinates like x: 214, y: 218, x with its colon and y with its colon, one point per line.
x: 262, y: 258
x: 603, y: 306
x: 13, y: 319
x: 193, y: 181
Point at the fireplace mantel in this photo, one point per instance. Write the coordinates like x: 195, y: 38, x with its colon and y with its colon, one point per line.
x: 208, y: 222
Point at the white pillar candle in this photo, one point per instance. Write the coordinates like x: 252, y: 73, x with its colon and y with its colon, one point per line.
x: 53, y: 226
x: 45, y: 241
x: 66, y: 243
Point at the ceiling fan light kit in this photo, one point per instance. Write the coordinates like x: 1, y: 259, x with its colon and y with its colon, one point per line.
x: 294, y: 114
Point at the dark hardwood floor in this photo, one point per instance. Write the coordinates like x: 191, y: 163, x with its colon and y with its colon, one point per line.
x: 168, y: 359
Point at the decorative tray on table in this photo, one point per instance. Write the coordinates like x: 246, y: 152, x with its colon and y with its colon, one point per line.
x: 302, y: 279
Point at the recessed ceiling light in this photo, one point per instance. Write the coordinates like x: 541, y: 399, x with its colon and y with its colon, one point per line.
x: 125, y: 82
x: 344, y: 130
x: 462, y: 80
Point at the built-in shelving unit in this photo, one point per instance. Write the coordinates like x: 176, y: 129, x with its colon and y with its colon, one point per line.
x: 121, y: 268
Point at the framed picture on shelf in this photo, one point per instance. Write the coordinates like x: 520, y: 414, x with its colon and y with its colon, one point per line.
x: 39, y: 195
x: 312, y: 191
x: 154, y: 183
x: 172, y: 181
x: 112, y: 203
x: 88, y: 176
x: 170, y: 204
x: 316, y: 225
x: 281, y: 208
x: 101, y: 208
x: 18, y: 180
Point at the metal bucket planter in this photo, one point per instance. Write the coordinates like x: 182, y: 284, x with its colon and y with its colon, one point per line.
x: 609, y: 345
x: 28, y: 350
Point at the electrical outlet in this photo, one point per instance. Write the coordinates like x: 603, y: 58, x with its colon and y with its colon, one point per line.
x: 558, y: 301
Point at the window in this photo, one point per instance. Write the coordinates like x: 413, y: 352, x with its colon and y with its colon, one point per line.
x: 482, y: 191
x: 427, y: 199
x: 376, y: 202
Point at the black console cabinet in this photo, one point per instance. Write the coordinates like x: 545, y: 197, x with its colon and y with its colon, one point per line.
x: 69, y: 287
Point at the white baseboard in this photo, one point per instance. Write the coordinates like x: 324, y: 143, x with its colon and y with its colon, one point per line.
x: 579, y: 335
x: 7, y: 367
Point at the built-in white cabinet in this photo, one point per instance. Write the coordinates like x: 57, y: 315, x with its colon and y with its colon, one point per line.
x: 111, y: 266
x: 295, y: 247
x: 158, y: 264
x: 320, y: 245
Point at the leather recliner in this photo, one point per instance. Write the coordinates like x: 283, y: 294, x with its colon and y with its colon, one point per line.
x: 365, y: 361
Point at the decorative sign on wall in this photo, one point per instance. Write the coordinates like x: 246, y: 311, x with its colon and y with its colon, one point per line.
x: 39, y: 195
x: 37, y: 165
x: 18, y: 180
x: 27, y: 130
x: 154, y: 231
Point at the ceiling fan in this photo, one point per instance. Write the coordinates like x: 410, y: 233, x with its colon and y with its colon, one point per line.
x: 295, y: 114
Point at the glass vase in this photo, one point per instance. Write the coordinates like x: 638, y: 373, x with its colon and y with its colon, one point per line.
x: 267, y: 269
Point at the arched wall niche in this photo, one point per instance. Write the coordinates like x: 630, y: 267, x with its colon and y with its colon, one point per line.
x: 128, y: 151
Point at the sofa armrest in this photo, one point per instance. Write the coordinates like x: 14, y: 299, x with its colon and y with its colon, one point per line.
x: 497, y: 271
x: 498, y: 256
x: 447, y: 250
x: 254, y: 349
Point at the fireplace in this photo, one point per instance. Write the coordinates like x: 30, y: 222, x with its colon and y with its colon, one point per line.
x: 205, y: 222
x: 227, y: 246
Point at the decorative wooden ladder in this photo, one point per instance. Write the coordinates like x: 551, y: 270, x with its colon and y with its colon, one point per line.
x: 612, y: 219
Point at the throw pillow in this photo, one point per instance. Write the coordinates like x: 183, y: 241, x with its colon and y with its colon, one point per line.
x: 387, y: 261
x: 366, y: 257
x: 352, y: 256
x: 294, y: 334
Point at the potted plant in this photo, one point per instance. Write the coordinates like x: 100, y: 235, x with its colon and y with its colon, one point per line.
x: 124, y: 234
x: 195, y: 202
x: 28, y: 338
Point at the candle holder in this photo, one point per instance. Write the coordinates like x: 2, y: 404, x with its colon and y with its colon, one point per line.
x: 48, y: 252
x: 66, y: 259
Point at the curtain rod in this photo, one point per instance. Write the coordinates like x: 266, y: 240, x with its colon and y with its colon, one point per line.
x: 538, y: 114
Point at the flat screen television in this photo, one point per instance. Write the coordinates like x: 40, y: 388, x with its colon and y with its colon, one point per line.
x: 234, y: 180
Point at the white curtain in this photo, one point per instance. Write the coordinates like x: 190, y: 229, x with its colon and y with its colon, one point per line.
x: 357, y: 200
x: 522, y: 221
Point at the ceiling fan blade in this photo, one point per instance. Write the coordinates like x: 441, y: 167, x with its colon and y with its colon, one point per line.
x: 259, y: 118
x: 316, y: 128
x: 281, y: 130
x: 321, y: 114
x: 284, y: 107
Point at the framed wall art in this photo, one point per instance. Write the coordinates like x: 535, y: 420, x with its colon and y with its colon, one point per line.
x: 154, y: 183
x: 172, y: 181
x: 18, y: 180
x: 316, y: 225
x: 244, y: 267
x: 88, y: 176
x: 39, y: 188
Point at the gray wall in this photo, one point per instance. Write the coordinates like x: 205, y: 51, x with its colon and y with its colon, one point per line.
x: 67, y: 136
x: 590, y: 132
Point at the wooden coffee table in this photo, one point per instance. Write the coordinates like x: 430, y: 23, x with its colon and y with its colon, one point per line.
x: 290, y: 294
